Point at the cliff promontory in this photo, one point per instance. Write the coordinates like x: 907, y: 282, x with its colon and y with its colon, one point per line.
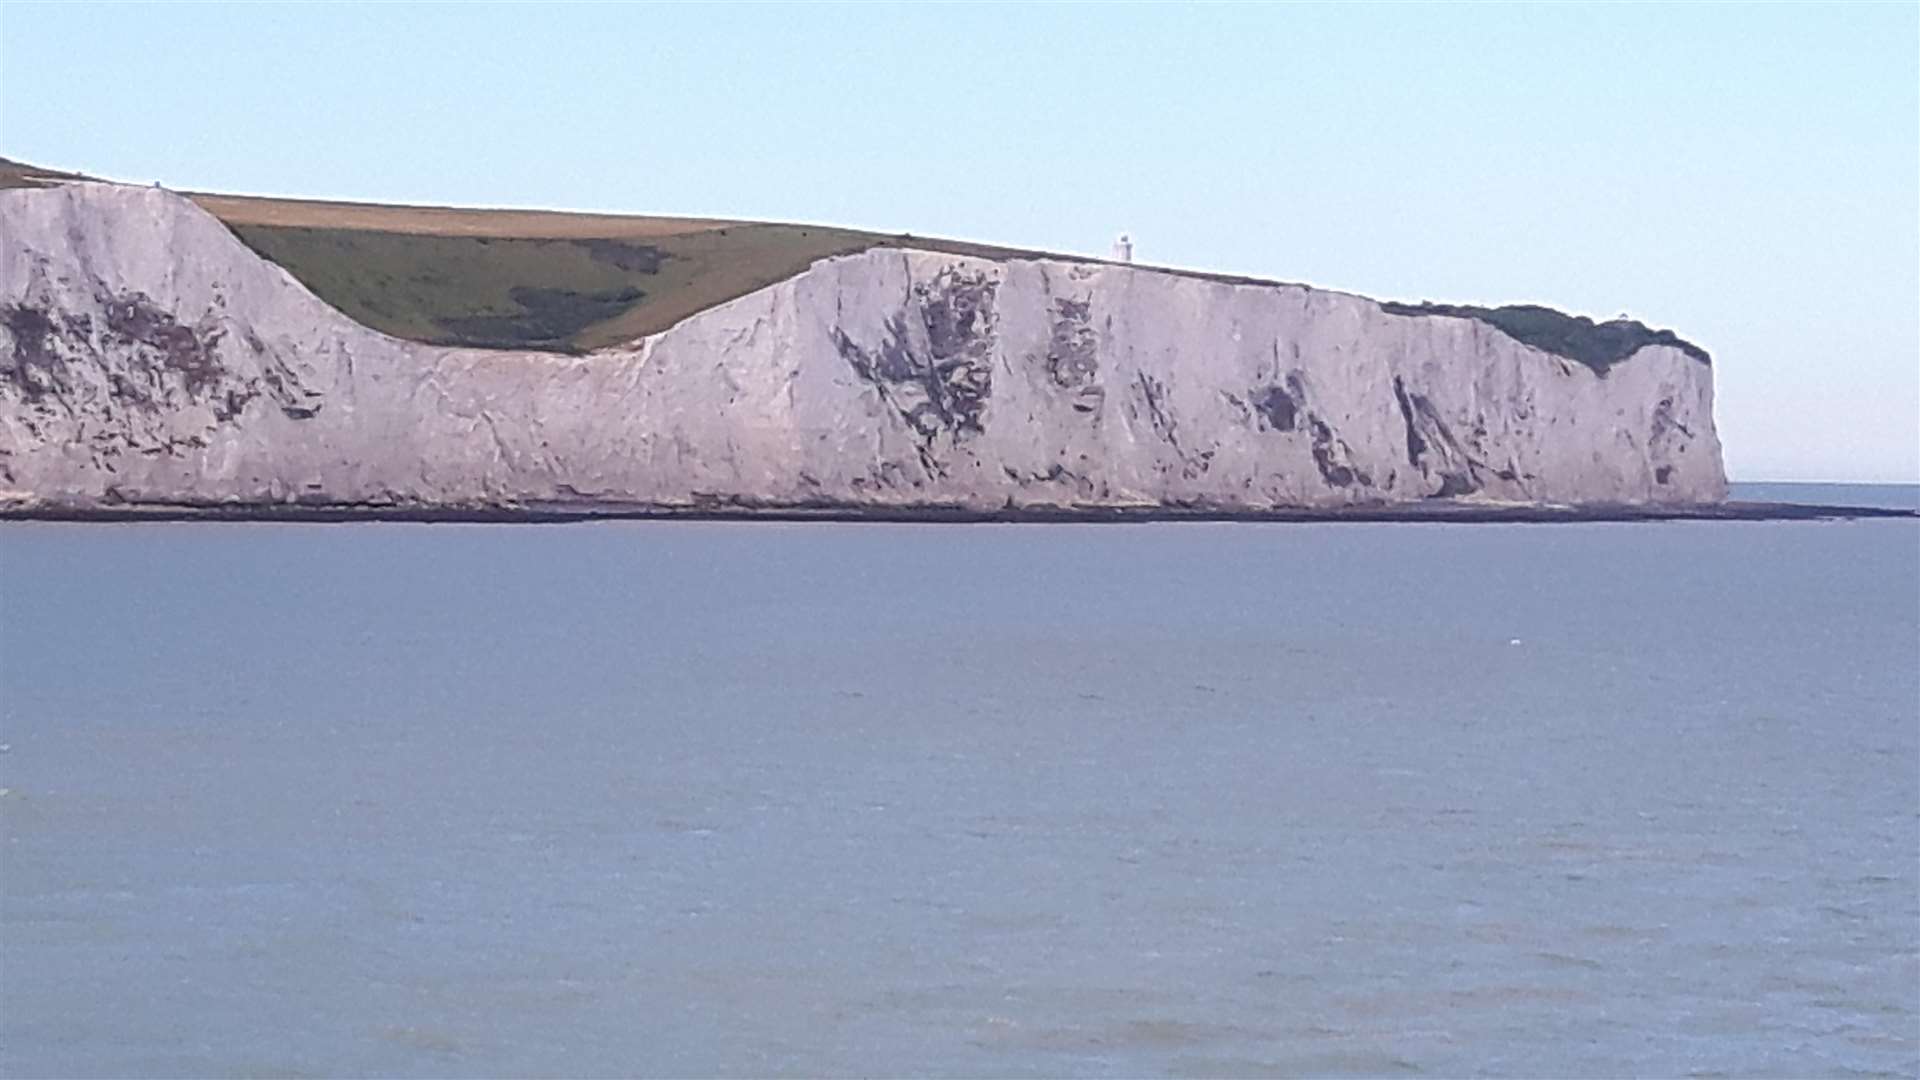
x: 153, y: 354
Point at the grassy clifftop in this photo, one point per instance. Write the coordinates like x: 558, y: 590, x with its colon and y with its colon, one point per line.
x: 537, y: 292
x: 524, y: 279
x: 520, y: 279
x: 529, y: 279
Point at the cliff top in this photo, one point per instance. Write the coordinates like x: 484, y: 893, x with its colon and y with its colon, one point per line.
x: 562, y: 281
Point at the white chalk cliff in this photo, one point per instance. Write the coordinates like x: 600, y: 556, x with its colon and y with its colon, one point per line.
x: 148, y: 357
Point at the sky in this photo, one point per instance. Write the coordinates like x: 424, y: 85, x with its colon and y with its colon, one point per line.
x: 1748, y: 176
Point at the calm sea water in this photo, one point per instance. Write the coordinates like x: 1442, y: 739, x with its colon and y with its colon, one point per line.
x: 1194, y: 799
x: 1898, y: 496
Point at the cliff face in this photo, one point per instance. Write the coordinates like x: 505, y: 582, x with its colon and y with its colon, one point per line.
x: 146, y: 356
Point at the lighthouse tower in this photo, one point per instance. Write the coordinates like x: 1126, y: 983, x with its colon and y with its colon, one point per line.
x: 1123, y: 249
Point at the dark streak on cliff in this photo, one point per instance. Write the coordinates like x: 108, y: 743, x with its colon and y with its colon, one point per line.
x: 945, y: 389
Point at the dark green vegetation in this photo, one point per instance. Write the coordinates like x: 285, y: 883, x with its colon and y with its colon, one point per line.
x: 1597, y: 345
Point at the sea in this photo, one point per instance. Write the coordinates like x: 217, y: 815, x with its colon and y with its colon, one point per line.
x: 758, y: 799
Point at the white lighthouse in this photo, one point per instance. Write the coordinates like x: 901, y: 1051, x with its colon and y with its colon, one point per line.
x: 1123, y: 249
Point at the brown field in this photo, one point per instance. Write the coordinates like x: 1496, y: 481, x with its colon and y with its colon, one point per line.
x: 19, y: 174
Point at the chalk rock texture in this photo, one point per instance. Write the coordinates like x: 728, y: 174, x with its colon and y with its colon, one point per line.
x: 148, y: 357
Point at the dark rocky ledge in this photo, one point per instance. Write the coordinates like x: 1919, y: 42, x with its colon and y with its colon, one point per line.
x: 1431, y: 511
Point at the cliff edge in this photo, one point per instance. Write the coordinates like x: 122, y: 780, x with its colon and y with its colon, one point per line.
x: 148, y: 357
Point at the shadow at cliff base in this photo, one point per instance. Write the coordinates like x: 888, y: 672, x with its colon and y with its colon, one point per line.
x: 1429, y: 512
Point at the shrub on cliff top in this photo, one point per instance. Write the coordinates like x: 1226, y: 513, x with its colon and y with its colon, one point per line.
x: 1597, y: 345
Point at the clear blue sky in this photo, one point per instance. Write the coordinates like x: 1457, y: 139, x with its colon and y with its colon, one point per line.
x: 1748, y: 175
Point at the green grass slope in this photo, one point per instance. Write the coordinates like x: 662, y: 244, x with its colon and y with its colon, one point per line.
x: 517, y: 279
x: 537, y: 292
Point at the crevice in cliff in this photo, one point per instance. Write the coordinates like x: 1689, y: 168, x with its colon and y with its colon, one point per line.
x: 1333, y: 457
x: 1431, y: 446
x: 1153, y: 395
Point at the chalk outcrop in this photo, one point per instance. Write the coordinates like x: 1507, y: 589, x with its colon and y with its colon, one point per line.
x: 148, y: 357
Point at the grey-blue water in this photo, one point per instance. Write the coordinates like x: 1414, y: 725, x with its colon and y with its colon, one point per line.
x: 770, y: 799
x: 1896, y: 496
